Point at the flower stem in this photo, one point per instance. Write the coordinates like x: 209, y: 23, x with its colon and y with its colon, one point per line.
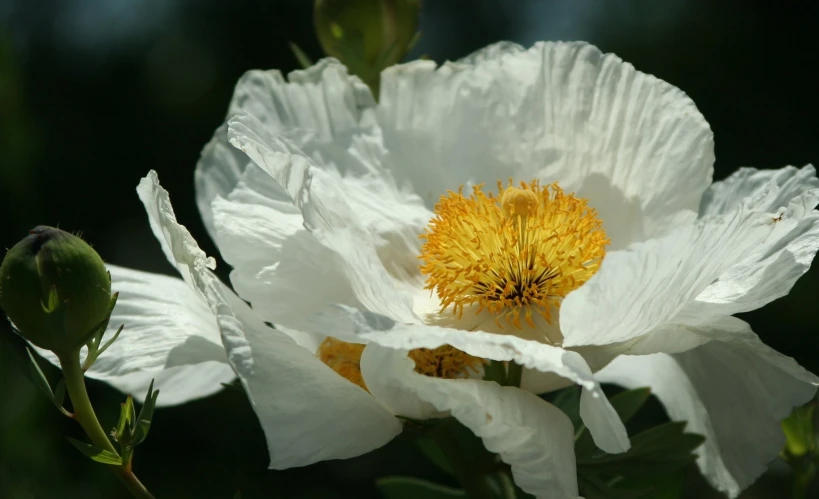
x: 803, y: 473
x: 514, y: 374
x: 85, y: 416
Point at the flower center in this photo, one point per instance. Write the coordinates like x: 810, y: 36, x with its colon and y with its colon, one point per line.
x: 512, y: 255
x: 442, y: 362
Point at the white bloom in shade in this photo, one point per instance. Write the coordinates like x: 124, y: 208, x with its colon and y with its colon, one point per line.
x: 375, y: 235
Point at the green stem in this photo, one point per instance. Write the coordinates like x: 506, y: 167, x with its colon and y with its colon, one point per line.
x: 85, y: 416
x: 803, y: 472
x: 495, y: 371
x: 514, y: 374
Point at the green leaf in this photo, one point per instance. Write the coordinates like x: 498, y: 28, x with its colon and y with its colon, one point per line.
x: 59, y: 397
x: 626, y: 404
x: 593, y: 487
x: 654, y: 467
x: 125, y: 417
x: 568, y: 401
x: 433, y: 452
x: 99, y: 455
x: 303, y: 58
x: 660, y: 486
x: 112, y: 340
x: 146, y: 414
x: 664, y: 448
x: 39, y: 377
x: 402, y: 487
x: 629, y: 402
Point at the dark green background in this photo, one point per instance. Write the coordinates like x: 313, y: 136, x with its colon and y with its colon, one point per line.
x: 94, y: 93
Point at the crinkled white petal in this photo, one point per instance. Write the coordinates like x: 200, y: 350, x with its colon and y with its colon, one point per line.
x: 603, y: 422
x: 319, y: 108
x: 533, y: 436
x: 646, y: 286
x: 170, y: 335
x: 770, y: 270
x: 327, y: 215
x: 179, y: 246
x: 328, y: 115
x: 635, y: 145
x: 735, y: 392
x: 308, y: 412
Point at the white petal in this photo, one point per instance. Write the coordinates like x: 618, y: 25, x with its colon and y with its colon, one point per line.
x: 735, y: 393
x: 727, y: 195
x: 323, y: 100
x: 218, y: 171
x: 308, y: 412
x: 645, y: 286
x: 557, y: 112
x: 179, y: 246
x: 384, y: 372
x: 603, y: 423
x: 170, y: 335
x: 528, y: 433
x: 327, y: 215
x: 770, y: 270
x: 321, y: 109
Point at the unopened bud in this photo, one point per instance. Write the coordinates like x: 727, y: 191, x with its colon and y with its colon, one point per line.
x: 55, y: 289
x: 367, y: 35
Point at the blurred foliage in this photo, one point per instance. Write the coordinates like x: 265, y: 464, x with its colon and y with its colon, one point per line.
x: 93, y: 93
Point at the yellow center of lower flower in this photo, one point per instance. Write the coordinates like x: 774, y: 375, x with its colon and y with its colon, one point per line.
x: 513, y: 255
x: 442, y: 362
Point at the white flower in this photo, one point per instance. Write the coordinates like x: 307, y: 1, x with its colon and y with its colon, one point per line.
x: 317, y: 198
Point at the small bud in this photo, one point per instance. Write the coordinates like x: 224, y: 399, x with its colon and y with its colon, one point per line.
x: 54, y: 287
x: 800, y: 437
x: 367, y: 35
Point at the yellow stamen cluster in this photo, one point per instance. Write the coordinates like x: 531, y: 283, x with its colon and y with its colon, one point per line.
x: 512, y: 255
x: 442, y: 362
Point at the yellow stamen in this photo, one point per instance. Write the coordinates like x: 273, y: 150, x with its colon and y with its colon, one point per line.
x: 343, y: 358
x: 515, y: 254
x: 442, y: 362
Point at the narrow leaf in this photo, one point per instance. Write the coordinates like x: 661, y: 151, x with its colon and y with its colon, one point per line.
x: 59, y: 397
x: 403, y: 487
x: 99, y: 455
x: 41, y: 381
x: 434, y: 453
x: 304, y: 59
x: 112, y: 340
x: 125, y: 414
x: 146, y: 414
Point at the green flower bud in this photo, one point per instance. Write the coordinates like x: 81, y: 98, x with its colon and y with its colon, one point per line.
x: 367, y: 35
x: 54, y: 287
x: 800, y: 437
